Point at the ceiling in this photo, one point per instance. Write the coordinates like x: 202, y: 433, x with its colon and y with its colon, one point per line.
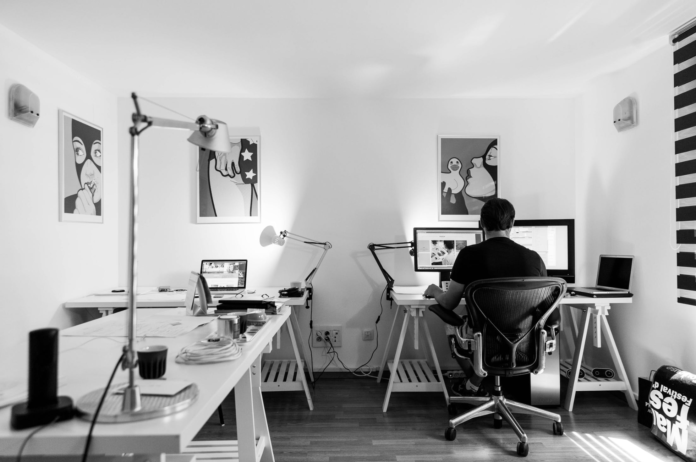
x: 348, y: 48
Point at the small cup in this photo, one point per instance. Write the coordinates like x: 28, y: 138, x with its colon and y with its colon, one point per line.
x: 229, y: 326
x: 152, y: 361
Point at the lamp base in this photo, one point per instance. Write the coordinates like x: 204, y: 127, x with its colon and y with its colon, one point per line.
x: 151, y: 406
x: 24, y: 417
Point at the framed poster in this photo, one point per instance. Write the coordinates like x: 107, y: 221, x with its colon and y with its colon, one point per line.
x: 229, y: 183
x: 467, y: 175
x: 81, y: 164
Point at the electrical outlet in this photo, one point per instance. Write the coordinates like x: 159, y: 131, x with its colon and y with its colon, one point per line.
x: 368, y: 334
x: 335, y: 333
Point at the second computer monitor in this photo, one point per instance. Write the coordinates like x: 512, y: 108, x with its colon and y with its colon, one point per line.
x: 437, y: 248
x: 553, y: 240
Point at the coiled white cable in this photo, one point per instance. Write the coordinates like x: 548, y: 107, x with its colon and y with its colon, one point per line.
x: 211, y: 350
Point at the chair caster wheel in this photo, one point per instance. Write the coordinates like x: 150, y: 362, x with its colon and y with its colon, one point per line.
x: 557, y: 428
x: 497, y: 423
x: 522, y: 449
x: 452, y: 409
x: 450, y: 434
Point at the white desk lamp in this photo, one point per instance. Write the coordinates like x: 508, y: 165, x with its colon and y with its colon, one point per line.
x: 280, y: 240
x: 209, y: 134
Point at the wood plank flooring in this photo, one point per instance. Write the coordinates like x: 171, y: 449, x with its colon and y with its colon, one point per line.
x: 347, y: 424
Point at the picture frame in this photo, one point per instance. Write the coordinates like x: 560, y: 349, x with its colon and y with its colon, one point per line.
x: 467, y: 175
x: 228, y: 185
x: 81, y: 169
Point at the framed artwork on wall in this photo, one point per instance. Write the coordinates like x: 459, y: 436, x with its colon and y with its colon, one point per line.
x: 229, y: 183
x: 81, y: 165
x: 467, y: 175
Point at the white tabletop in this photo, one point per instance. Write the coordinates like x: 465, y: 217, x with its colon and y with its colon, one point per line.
x: 412, y: 300
x: 148, y: 297
x: 87, y: 362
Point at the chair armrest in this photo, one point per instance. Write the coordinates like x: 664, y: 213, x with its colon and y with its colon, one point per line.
x: 478, y: 355
x: 447, y: 316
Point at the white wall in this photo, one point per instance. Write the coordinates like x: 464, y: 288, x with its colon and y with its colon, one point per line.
x: 46, y: 262
x: 625, y: 205
x: 351, y: 172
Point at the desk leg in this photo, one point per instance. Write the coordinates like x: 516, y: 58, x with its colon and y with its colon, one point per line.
x: 577, y: 360
x: 618, y: 363
x: 300, y: 369
x: 303, y: 342
x: 246, y: 425
x: 397, y: 356
x: 388, y: 344
x: 437, y: 364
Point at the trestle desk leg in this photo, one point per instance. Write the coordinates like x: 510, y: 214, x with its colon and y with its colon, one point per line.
x: 577, y: 359
x: 386, y: 347
x: 618, y: 363
x: 395, y: 367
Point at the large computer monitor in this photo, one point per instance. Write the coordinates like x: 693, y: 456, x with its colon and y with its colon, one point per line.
x: 437, y: 248
x: 553, y: 240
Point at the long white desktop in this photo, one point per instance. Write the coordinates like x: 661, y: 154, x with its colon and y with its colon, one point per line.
x: 86, y: 363
x: 278, y: 375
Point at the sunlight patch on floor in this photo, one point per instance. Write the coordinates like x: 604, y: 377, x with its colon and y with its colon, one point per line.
x: 610, y: 449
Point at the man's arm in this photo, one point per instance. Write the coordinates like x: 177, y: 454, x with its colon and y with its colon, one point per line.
x: 449, y: 299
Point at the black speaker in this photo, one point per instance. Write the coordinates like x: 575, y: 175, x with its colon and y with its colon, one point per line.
x: 44, y: 404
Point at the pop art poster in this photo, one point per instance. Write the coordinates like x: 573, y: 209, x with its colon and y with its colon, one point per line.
x: 229, y: 183
x: 467, y: 175
x: 81, y: 170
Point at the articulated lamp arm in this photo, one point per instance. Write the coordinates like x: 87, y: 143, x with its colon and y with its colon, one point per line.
x: 305, y: 240
x: 391, y: 245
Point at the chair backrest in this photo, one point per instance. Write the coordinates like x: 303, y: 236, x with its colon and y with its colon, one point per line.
x: 510, y: 314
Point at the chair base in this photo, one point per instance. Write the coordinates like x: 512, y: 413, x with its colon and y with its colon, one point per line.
x: 502, y: 409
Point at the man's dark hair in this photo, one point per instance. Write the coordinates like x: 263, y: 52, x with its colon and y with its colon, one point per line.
x: 497, y: 215
x: 449, y: 245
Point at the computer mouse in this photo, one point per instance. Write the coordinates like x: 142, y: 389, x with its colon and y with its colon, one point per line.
x: 427, y: 296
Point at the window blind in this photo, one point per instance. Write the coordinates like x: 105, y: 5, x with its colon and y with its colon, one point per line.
x: 684, y: 42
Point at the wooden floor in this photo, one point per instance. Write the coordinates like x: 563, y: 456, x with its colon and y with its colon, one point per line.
x: 347, y: 424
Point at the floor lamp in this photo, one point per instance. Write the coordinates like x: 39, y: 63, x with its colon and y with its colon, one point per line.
x: 209, y: 134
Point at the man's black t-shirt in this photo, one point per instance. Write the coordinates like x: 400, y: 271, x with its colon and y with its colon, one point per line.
x: 498, y: 257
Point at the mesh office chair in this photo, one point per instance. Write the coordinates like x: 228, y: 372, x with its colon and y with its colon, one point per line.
x: 508, y: 317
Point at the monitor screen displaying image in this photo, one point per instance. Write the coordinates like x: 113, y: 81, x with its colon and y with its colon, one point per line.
x: 224, y: 274
x: 437, y: 248
x: 553, y: 240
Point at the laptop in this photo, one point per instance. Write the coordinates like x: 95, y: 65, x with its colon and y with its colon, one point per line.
x: 225, y: 276
x: 613, y: 277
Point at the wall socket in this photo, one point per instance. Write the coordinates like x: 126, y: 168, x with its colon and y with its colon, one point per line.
x: 335, y: 334
x: 368, y: 334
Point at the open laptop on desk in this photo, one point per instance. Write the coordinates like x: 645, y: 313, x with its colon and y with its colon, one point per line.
x: 225, y: 277
x: 613, y: 277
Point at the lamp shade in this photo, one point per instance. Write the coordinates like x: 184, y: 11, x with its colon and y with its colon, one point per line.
x: 213, y: 139
x: 279, y: 240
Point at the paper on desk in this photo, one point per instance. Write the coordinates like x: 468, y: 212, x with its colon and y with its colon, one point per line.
x: 149, y: 325
x: 157, y: 387
x: 409, y: 290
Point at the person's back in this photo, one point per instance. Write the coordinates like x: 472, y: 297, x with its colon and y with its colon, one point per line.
x: 497, y: 257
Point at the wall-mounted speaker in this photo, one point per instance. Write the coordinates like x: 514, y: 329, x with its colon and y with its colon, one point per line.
x: 25, y: 106
x: 43, y: 405
x: 626, y: 114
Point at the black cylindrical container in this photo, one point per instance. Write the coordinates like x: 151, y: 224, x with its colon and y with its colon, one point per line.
x: 43, y: 367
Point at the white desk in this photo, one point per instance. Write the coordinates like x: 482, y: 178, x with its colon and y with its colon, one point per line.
x: 596, y: 309
x: 408, y: 375
x: 278, y: 375
x: 87, y: 362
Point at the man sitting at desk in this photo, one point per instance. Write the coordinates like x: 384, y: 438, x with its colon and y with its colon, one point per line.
x: 496, y: 257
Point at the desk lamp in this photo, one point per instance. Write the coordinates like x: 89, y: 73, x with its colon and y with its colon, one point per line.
x: 209, y: 134
x: 280, y: 240
x: 390, y: 245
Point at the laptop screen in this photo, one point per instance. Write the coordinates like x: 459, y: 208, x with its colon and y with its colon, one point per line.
x: 224, y: 274
x: 614, y: 271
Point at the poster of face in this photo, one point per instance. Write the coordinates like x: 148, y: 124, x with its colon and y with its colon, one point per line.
x: 81, y: 170
x: 229, y: 183
x: 467, y: 175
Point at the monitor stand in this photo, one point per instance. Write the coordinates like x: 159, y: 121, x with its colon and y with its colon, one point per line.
x: 444, y: 279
